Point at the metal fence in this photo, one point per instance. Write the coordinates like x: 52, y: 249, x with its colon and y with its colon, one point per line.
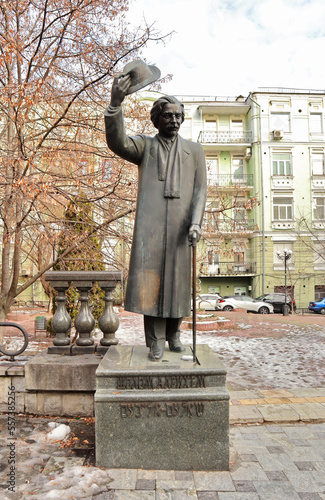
x: 224, y: 180
x: 231, y: 137
x: 227, y: 268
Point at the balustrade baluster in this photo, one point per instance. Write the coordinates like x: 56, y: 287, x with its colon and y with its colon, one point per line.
x: 61, y: 321
x: 108, y: 322
x: 85, y: 321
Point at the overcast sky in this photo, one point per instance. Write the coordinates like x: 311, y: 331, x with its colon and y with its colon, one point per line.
x: 232, y: 47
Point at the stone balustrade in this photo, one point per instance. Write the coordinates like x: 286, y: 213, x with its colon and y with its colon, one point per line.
x: 84, y: 321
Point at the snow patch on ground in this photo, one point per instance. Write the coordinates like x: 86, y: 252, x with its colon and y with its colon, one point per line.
x: 59, y: 433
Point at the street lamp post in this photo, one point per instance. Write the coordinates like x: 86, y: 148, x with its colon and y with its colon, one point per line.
x: 285, y: 256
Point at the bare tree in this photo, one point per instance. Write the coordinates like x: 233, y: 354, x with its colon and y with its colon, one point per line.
x: 57, y: 59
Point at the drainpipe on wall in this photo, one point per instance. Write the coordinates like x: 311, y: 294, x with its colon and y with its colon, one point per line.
x: 259, y: 142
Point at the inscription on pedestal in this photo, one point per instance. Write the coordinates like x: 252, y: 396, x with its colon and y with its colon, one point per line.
x: 161, y: 382
x: 173, y: 415
x: 171, y: 409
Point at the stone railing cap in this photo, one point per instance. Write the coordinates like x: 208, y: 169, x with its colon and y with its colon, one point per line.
x: 79, y: 276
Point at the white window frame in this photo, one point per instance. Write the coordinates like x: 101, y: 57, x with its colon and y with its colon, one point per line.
x: 286, y: 163
x: 210, y: 125
x: 282, y: 215
x: 237, y: 125
x: 238, y: 177
x: 312, y: 122
x: 317, y: 163
x: 318, y: 203
x: 276, y: 123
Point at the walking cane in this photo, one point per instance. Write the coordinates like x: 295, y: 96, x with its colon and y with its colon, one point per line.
x: 193, y: 245
x: 194, y: 241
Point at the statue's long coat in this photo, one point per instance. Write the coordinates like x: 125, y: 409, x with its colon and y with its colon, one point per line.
x: 159, y: 281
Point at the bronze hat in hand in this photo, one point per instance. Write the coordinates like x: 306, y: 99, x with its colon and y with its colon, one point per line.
x: 142, y: 74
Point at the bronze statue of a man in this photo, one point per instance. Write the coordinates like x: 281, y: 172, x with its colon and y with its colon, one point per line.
x: 170, y: 206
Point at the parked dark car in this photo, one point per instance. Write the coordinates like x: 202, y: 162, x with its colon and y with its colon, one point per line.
x: 317, y: 306
x: 278, y: 300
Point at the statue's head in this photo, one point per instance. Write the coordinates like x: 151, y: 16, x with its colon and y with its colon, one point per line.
x: 167, y: 115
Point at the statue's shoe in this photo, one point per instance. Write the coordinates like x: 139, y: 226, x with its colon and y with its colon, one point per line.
x: 157, y: 350
x: 175, y: 344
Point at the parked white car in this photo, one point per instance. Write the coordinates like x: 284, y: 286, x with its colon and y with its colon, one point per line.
x: 245, y: 302
x: 207, y: 301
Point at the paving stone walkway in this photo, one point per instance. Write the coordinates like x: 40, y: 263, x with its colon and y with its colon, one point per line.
x: 277, y: 452
x: 278, y: 405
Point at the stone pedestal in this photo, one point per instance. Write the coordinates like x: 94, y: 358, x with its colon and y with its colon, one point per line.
x: 61, y: 385
x: 168, y: 414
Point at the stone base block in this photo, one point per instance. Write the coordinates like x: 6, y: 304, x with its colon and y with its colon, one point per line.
x: 52, y: 372
x: 65, y: 404
x: 170, y: 415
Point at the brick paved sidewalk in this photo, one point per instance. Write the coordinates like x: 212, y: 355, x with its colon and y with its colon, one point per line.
x: 278, y: 405
x: 268, y: 462
x: 277, y: 452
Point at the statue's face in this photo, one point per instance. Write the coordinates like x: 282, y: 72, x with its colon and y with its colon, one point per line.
x: 170, y: 120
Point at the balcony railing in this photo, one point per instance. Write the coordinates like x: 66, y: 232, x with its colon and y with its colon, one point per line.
x: 224, y: 137
x: 227, y: 269
x: 230, y: 226
x: 227, y: 180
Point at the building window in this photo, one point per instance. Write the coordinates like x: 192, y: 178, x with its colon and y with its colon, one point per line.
x: 290, y: 290
x: 280, y: 121
x: 237, y: 130
x: 319, y: 256
x: 213, y: 260
x: 83, y: 168
x: 212, y: 170
x: 282, y: 208
x: 211, y: 218
x: 107, y: 170
x: 210, y: 125
x: 316, y: 123
x: 317, y: 163
x: 319, y: 292
x: 281, y: 164
x: 237, y: 168
x: 237, y: 125
x: 319, y: 208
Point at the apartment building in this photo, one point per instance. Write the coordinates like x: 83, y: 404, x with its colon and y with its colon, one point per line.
x: 265, y: 160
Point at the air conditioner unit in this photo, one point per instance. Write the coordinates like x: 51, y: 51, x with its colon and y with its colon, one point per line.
x: 277, y: 134
x: 248, y: 153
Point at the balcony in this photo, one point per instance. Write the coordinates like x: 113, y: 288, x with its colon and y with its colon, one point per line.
x: 230, y: 180
x: 227, y: 269
x: 230, y: 140
x: 230, y: 226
